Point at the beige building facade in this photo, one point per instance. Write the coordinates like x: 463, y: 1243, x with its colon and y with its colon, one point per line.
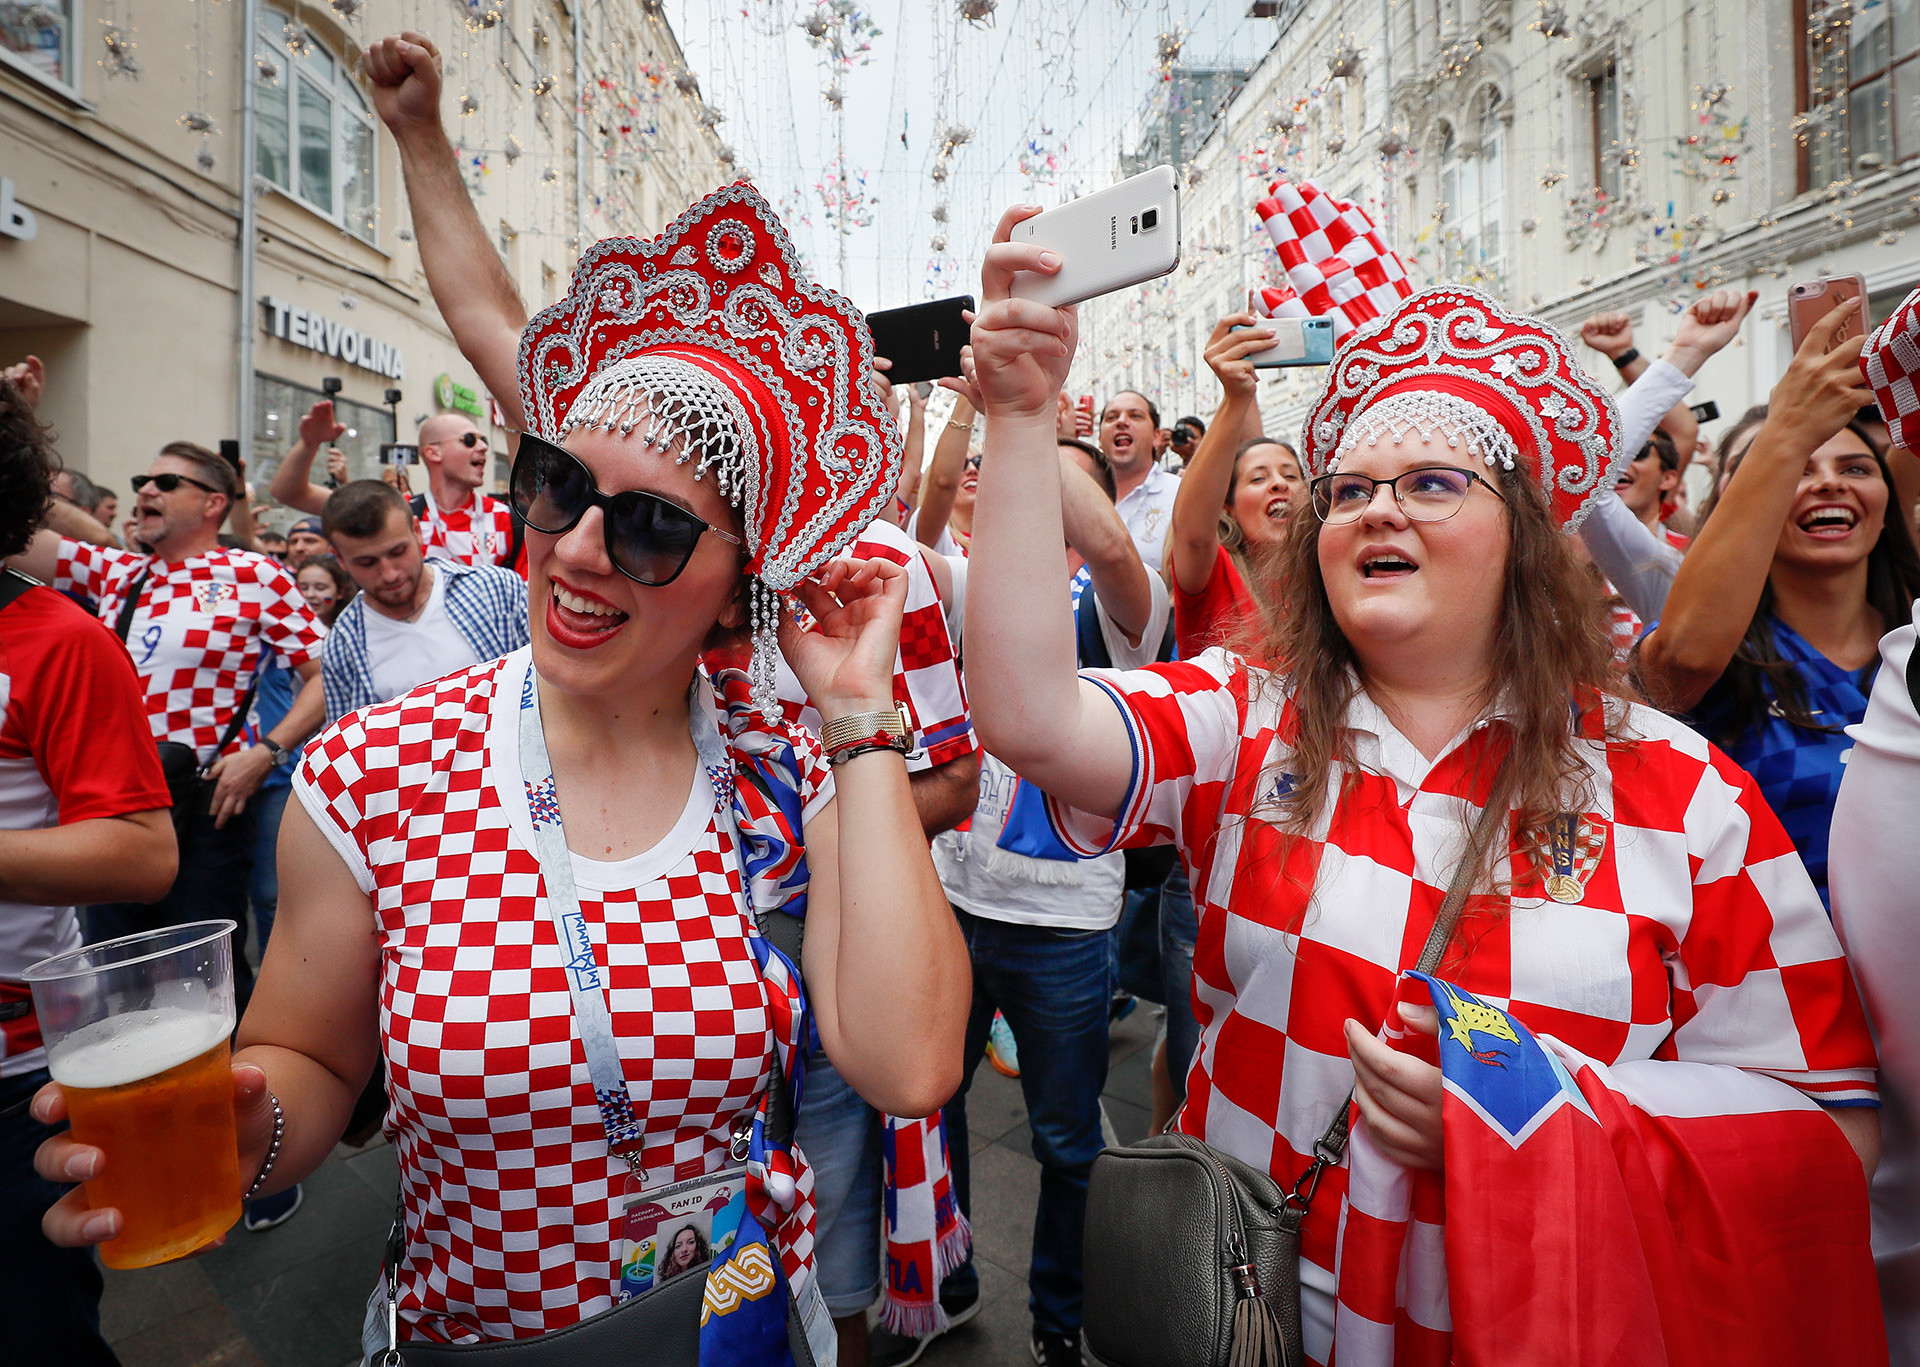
x: 165, y: 307
x: 1567, y: 158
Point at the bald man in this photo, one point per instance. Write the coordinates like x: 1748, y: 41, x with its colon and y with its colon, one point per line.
x: 458, y: 522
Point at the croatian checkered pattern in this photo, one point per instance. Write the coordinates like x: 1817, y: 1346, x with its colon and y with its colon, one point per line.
x: 1624, y: 626
x: 510, y: 1192
x: 467, y: 539
x: 1891, y: 361
x: 926, y: 676
x: 197, y: 635
x: 1699, y: 936
x: 1336, y: 261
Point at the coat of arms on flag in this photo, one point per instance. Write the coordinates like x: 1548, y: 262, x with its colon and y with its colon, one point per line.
x: 1627, y: 1213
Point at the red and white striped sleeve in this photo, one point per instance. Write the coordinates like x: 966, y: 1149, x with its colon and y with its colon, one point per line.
x: 1184, y: 721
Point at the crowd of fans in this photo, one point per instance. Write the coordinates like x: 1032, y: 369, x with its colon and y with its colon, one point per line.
x: 1208, y: 770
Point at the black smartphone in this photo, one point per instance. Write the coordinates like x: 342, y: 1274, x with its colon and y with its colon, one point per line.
x: 1706, y: 412
x: 230, y: 453
x: 922, y: 340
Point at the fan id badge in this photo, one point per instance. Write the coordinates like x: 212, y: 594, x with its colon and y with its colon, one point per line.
x: 678, y: 1229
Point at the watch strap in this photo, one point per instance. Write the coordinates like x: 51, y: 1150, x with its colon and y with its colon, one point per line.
x: 861, y: 726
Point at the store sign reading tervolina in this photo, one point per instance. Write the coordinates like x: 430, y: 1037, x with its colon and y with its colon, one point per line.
x: 302, y: 327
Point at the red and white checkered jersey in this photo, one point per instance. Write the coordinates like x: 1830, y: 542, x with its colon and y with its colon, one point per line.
x: 73, y: 747
x: 479, y: 534
x: 926, y: 674
x: 199, y: 630
x: 1698, y: 937
x: 511, y: 1193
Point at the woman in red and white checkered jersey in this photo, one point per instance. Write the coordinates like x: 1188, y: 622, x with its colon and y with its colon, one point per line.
x: 1437, y: 620
x: 674, y: 481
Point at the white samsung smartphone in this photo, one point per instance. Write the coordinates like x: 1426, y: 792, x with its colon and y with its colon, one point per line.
x: 1296, y: 341
x: 1119, y: 236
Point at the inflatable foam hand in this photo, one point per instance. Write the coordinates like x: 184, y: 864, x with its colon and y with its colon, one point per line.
x: 1891, y: 361
x: 1337, y: 264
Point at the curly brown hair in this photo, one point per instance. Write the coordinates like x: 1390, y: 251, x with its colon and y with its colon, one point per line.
x: 27, y: 463
x: 1552, y: 670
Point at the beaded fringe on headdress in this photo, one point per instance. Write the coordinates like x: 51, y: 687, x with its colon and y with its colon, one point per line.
x: 1433, y: 416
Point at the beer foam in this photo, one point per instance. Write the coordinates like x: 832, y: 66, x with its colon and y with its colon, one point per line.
x: 140, y: 1044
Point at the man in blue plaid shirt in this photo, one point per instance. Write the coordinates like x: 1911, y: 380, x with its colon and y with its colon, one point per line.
x: 414, y: 620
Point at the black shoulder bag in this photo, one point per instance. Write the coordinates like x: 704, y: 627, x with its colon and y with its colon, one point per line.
x: 1192, y: 1256
x: 187, y: 782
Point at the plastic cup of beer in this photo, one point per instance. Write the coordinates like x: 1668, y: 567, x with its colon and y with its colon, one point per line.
x: 137, y: 1033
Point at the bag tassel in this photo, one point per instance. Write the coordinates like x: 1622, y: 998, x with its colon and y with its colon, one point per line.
x: 1257, y: 1340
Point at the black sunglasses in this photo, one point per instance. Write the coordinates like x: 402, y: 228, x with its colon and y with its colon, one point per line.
x: 466, y: 439
x: 649, y: 539
x: 168, y: 482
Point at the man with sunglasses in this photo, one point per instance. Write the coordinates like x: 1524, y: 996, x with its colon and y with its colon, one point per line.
x: 414, y: 619
x: 197, y: 618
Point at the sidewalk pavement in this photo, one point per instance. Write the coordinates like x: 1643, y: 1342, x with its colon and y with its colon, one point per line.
x: 294, y: 1296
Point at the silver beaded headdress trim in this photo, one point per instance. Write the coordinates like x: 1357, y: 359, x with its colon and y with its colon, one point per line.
x: 670, y: 400
x: 1432, y: 416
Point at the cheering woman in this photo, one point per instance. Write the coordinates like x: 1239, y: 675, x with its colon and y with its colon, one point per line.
x: 1233, y: 501
x: 1771, y: 633
x: 1442, y: 644
x: 572, y: 860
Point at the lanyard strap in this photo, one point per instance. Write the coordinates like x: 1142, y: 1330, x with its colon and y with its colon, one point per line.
x: 585, y: 980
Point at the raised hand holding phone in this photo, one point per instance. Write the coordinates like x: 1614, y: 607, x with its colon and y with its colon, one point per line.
x: 1021, y: 349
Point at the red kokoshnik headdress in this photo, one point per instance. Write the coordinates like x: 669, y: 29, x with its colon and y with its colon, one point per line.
x: 712, y: 334
x: 1449, y: 363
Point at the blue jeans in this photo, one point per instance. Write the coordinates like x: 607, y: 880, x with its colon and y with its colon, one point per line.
x: 1136, y: 945
x: 49, y: 1297
x: 839, y: 1133
x: 264, y: 889
x: 1178, y: 930
x: 1053, y: 987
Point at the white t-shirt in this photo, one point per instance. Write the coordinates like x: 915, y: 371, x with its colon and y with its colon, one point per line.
x: 999, y: 885
x: 1147, y: 509
x: 405, y: 655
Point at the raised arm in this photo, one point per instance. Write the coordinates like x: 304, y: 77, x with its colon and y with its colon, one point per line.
x: 1195, y: 538
x: 293, y: 484
x: 1094, y: 529
x: 1719, y: 584
x: 941, y: 481
x: 916, y: 447
x: 469, y: 282
x: 1029, y: 704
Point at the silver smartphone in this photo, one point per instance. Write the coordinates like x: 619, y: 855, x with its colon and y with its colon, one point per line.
x: 1296, y: 341
x: 1108, y: 240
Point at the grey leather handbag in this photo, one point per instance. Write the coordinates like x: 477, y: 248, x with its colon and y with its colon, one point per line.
x: 1192, y: 1257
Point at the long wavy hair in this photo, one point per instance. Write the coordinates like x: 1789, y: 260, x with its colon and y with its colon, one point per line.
x: 1759, y: 681
x: 1552, y: 672
x: 1255, y: 567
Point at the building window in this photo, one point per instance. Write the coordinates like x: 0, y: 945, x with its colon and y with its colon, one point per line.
x: 39, y: 35
x: 1472, y: 202
x: 278, y: 406
x: 1858, y: 84
x: 313, y: 129
x: 1603, y: 124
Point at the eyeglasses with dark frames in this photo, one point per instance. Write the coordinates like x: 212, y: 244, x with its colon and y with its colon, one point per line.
x: 466, y: 439
x: 649, y: 539
x: 1433, y: 493
x: 168, y: 482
